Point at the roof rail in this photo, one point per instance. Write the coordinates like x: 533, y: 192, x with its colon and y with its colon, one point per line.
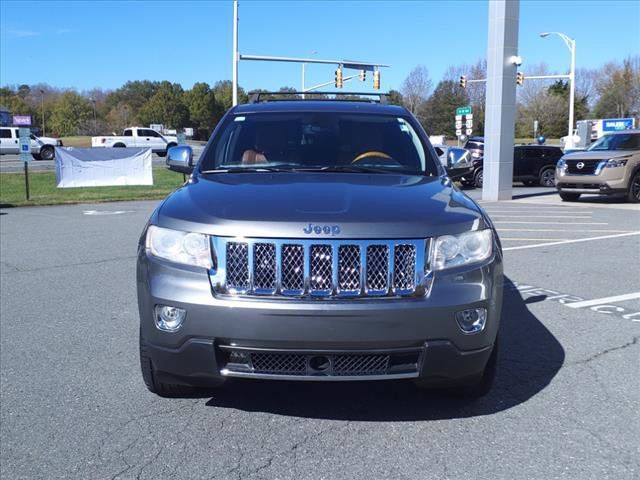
x: 259, y: 97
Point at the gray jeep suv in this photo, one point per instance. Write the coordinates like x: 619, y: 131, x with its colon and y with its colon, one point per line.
x: 318, y: 240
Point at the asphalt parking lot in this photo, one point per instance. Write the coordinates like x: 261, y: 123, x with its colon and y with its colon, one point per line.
x: 565, y: 404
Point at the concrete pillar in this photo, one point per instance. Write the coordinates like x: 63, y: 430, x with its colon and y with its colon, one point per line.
x: 500, y: 106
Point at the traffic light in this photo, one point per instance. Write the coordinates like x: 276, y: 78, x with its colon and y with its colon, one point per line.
x: 363, y: 75
x: 376, y: 79
x: 463, y: 81
x: 339, y: 78
x: 520, y: 78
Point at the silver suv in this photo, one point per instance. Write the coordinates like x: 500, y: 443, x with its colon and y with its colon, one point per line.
x: 610, y: 166
x: 321, y: 241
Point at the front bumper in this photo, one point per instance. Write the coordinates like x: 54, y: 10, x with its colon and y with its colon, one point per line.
x: 417, y: 337
x: 609, y: 181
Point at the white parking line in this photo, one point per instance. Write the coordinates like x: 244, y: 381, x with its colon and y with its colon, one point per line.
x: 535, y: 245
x: 552, y: 223
x: 540, y: 216
x: 592, y: 230
x: 601, y: 301
x: 512, y: 239
x: 535, y: 210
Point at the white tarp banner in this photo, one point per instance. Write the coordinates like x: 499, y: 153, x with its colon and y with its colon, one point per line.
x: 101, y: 167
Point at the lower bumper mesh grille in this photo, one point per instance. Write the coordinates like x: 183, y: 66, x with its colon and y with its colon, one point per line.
x: 322, y: 364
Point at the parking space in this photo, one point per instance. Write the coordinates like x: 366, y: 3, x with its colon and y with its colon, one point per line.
x: 567, y: 387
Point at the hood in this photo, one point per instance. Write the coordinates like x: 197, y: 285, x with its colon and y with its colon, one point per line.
x: 345, y: 205
x: 47, y: 140
x: 598, y: 154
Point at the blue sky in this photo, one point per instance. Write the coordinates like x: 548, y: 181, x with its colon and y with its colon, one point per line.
x: 86, y: 44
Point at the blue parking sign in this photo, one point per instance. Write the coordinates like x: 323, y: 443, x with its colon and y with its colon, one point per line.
x: 25, y: 144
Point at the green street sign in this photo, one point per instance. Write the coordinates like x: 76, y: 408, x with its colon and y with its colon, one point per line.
x: 463, y: 110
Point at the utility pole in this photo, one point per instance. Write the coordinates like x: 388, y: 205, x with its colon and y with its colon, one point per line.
x: 235, y: 54
x: 42, y: 101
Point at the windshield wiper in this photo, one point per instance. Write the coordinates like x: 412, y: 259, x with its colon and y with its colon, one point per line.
x: 246, y: 170
x: 354, y: 169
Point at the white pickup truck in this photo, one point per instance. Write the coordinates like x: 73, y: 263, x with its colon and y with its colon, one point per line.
x: 138, y: 137
x: 42, y: 148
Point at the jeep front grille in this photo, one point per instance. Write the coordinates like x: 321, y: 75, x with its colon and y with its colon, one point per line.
x: 319, y: 268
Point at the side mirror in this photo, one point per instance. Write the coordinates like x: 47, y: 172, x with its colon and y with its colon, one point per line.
x: 180, y: 159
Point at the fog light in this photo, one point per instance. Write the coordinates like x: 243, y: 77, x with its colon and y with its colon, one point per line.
x: 169, y: 319
x: 472, y: 320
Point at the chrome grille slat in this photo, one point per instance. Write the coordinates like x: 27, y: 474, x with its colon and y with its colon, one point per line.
x: 321, y: 268
x: 264, y: 266
x: 349, y: 269
x: 377, y: 269
x: 326, y: 268
x: 292, y: 269
x: 404, y: 272
x: 237, y: 255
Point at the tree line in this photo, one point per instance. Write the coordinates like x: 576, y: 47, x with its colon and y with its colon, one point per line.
x: 610, y: 91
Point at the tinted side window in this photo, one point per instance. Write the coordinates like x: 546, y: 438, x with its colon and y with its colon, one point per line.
x: 127, y: 133
x: 5, y: 133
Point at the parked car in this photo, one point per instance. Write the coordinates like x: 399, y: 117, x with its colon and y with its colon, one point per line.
x: 475, y: 145
x: 611, y: 165
x: 456, y: 160
x: 138, y: 137
x: 318, y: 241
x: 42, y: 148
x: 532, y: 165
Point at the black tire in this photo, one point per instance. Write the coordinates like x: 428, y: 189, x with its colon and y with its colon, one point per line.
x: 36, y: 156
x: 476, y: 387
x: 47, y: 153
x: 547, y: 177
x: 634, y: 188
x: 483, y: 385
x: 119, y: 145
x: 569, y: 197
x: 467, y: 183
x: 162, y: 389
x: 477, y: 178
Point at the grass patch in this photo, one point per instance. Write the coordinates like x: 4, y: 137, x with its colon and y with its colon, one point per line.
x: 78, y: 142
x: 43, y: 190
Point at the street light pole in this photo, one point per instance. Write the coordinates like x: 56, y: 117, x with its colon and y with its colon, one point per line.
x: 304, y: 64
x: 571, y: 45
x: 42, y: 101
x: 234, y: 101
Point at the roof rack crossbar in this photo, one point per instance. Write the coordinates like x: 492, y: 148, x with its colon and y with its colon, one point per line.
x: 355, y: 96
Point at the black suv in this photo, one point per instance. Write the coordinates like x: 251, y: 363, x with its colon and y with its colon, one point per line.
x: 532, y: 165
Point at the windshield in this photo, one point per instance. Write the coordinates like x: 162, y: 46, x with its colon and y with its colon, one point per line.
x: 325, y: 141
x: 620, y: 141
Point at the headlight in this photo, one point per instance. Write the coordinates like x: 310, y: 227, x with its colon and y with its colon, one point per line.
x: 180, y: 247
x: 453, y: 250
x: 561, y: 164
x: 616, y: 162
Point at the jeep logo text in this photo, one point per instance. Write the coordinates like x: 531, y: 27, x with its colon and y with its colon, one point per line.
x: 320, y: 229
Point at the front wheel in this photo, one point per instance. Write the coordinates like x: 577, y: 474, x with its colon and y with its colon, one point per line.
x: 477, y: 178
x: 548, y: 177
x: 36, y: 156
x: 47, y: 153
x: 634, y: 188
x: 475, y: 388
x: 569, y: 197
x: 169, y: 390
